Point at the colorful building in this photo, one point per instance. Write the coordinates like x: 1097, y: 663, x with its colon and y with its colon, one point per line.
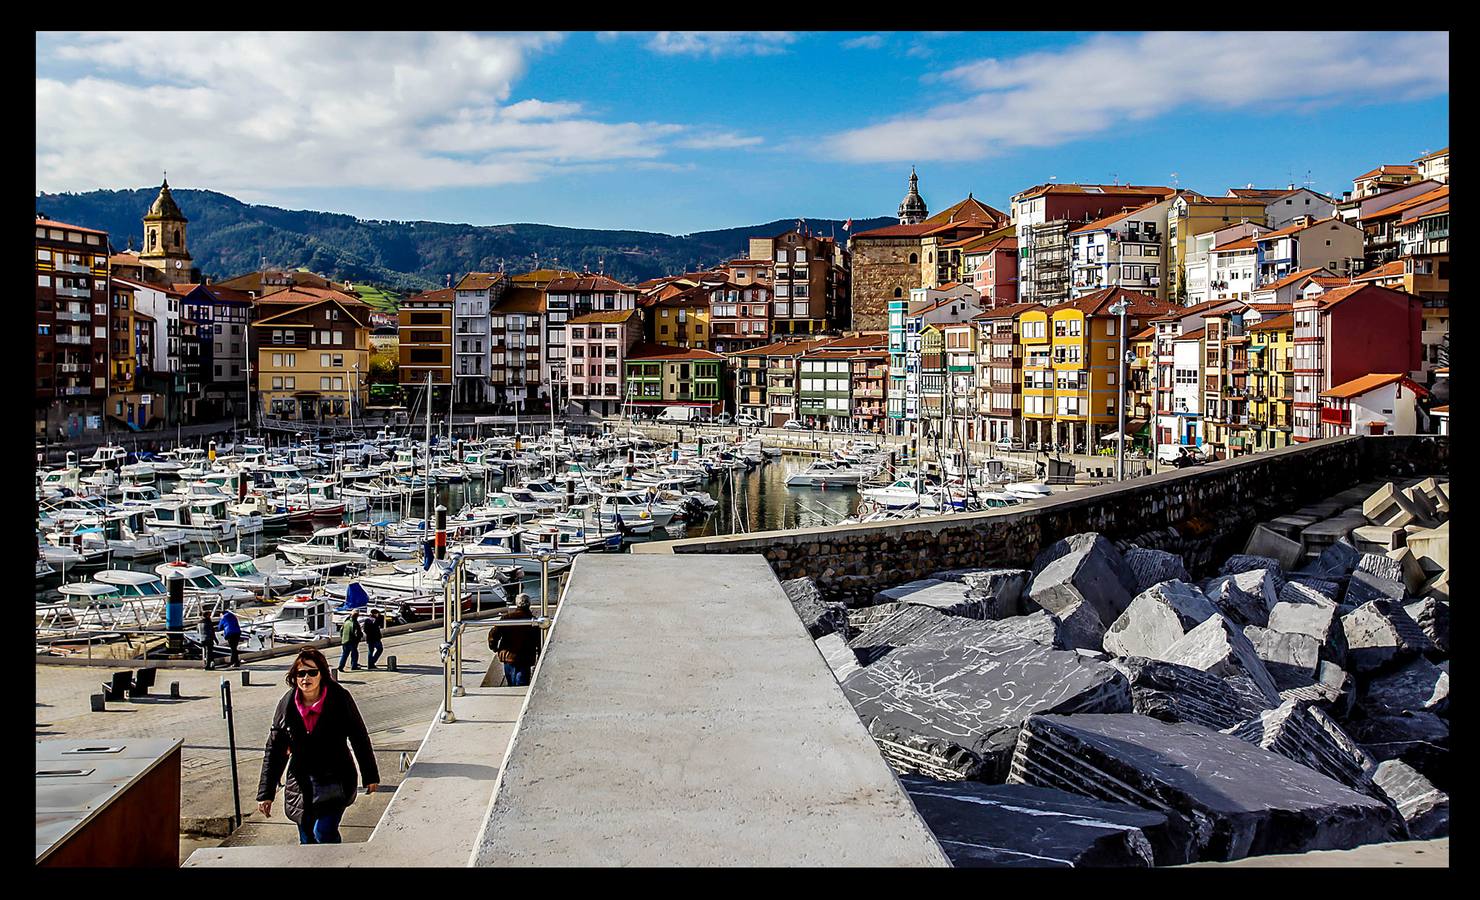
x: 1372, y: 404
x: 72, y: 322
x: 313, y: 354
x: 659, y: 377
x: 599, y: 342
x: 1271, y: 383
x: 425, y: 342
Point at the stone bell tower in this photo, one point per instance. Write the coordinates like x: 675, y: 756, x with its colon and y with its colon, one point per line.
x: 164, y: 238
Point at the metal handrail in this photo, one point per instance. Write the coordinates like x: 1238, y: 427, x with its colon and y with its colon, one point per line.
x: 452, y: 621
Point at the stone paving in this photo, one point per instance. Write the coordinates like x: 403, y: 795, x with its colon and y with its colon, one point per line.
x: 397, y: 707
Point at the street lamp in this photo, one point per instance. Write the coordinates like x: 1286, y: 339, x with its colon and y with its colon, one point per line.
x: 1119, y: 309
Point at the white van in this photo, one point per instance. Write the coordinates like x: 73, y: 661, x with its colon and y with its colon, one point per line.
x: 682, y: 414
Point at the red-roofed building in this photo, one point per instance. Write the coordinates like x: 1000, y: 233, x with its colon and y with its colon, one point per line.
x: 827, y: 396
x: 481, y: 375
x: 1345, y: 333
x: 1382, y: 228
x: 1190, y: 215
x: 919, y: 252
x: 72, y: 327
x: 809, y: 280
x: 598, y: 344
x: 1383, y: 178
x: 999, y: 370
x: 1307, y: 243
x: 1372, y: 404
x: 1127, y: 249
x: 312, y: 354
x: 989, y: 263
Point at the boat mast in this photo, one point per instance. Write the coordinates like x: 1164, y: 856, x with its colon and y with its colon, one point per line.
x: 426, y: 494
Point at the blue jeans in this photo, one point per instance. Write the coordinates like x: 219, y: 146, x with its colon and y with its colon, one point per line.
x: 320, y: 827
x: 351, y: 652
x: 376, y: 648
x: 516, y: 676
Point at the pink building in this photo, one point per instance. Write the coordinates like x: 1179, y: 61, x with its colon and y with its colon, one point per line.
x: 989, y: 264
x: 598, y: 343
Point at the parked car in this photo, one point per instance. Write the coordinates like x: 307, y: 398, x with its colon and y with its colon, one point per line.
x: 1010, y: 444
x: 747, y: 420
x: 723, y: 419
x: 794, y: 425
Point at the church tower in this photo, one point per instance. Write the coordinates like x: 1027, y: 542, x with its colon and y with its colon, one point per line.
x: 912, y: 209
x: 164, y: 238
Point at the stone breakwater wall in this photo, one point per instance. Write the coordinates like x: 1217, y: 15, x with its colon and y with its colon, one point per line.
x: 1204, y: 513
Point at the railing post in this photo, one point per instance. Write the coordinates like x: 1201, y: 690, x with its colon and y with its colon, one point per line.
x: 447, y: 714
x: 457, y: 586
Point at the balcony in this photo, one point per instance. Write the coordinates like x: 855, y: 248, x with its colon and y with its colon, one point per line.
x: 1331, y: 416
x: 869, y: 393
x: 73, y: 316
x: 65, y: 338
x: 1210, y: 384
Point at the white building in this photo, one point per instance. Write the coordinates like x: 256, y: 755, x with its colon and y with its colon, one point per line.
x: 164, y: 308
x: 1182, y: 422
x: 1372, y: 404
x: 475, y: 296
x: 1127, y: 250
x: 1326, y: 243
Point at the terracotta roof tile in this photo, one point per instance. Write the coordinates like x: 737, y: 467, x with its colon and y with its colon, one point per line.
x: 658, y: 351
x: 586, y: 284
x: 520, y: 300
x: 441, y: 295
x: 479, y: 281
x: 1386, y: 270
x: 1388, y: 170
x: 1294, y: 277
x: 50, y: 223
x: 1191, y: 335
x: 603, y: 317
x: 1359, y: 386
x: 1278, y: 323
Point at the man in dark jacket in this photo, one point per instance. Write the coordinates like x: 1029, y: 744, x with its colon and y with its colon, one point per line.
x: 320, y: 773
x: 373, y: 632
x: 517, y: 646
x: 207, y: 635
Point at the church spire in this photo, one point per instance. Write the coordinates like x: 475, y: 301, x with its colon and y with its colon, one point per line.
x: 912, y: 210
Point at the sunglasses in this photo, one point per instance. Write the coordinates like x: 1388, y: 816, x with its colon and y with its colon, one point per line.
x: 306, y: 673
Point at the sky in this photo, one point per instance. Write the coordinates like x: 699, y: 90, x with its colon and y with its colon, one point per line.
x: 678, y: 132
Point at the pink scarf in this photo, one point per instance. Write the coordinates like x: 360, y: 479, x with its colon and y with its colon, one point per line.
x: 310, y: 713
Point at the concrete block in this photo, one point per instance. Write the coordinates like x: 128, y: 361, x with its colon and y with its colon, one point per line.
x: 1243, y: 799
x: 1150, y: 567
x: 1290, y: 526
x: 1424, y: 808
x: 1218, y: 646
x: 1379, y: 633
x: 1432, y: 615
x: 1157, y: 618
x: 1291, y: 659
x: 1081, y: 567
x: 1406, y: 512
x: 1422, y: 503
x: 1381, y: 505
x: 1307, y: 735
x: 1378, y: 538
x: 1176, y: 693
x: 1021, y: 826
x: 1264, y: 542
x: 1366, y: 585
x: 1420, y: 686
x: 1431, y: 548
x: 1437, y: 587
x: 950, y: 711
x: 840, y: 657
x: 1323, y: 510
x: 1413, y: 573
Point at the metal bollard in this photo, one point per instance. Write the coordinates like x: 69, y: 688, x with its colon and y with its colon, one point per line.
x: 390, y: 664
x: 174, y: 690
x: 97, y: 702
x: 246, y: 678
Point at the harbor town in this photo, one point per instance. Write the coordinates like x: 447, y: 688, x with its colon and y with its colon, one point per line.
x: 1087, y: 525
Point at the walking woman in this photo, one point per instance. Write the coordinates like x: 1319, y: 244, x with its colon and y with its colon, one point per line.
x: 312, y: 731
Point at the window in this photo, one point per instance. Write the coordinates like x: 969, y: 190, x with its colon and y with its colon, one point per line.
x: 1110, y: 353
x: 323, y: 360
x: 277, y: 360
x: 324, y: 383
x: 338, y: 337
x: 338, y: 359
x: 277, y: 382
x: 289, y: 383
x: 338, y: 382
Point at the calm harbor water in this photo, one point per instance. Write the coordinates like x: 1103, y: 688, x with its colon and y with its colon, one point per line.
x: 758, y: 500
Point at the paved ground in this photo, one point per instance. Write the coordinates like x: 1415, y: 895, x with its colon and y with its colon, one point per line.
x: 1407, y: 854
x: 397, y: 706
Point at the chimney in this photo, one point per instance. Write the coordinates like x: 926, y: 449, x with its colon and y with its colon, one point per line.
x: 1290, y: 188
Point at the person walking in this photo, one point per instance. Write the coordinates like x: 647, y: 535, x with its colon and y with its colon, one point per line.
x: 349, y: 640
x: 374, y: 628
x: 231, y: 629
x: 207, y: 636
x: 517, y: 646
x: 315, y: 726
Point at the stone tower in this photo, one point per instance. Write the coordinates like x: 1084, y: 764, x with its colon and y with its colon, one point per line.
x: 164, y: 238
x: 912, y: 209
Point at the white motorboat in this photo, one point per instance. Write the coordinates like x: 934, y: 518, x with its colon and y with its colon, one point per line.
x: 327, y: 546
x: 203, y: 582
x: 411, y: 580
x: 300, y: 619
x: 500, y: 547
x: 206, y: 522
x: 274, y: 515
x: 43, y: 569
x: 635, y: 506
x: 106, y: 457
x: 1028, y: 490
x: 902, y: 494
x: 827, y: 472
x: 238, y: 570
x: 130, y: 584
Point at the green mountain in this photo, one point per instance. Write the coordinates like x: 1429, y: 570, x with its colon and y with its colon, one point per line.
x: 228, y: 238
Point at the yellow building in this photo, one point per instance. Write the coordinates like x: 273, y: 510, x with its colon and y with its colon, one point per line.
x: 313, y: 354
x: 1271, y: 382
x: 1071, y: 362
x: 1191, y: 214
x: 681, y: 320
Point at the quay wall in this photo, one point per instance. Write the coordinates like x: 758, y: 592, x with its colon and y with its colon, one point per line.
x: 1211, y: 508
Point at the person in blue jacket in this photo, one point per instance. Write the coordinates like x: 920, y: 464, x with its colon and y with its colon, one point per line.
x: 231, y: 629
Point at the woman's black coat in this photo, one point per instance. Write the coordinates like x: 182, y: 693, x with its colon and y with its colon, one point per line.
x: 322, y: 753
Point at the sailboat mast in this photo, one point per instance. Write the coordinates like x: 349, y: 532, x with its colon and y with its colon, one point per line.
x: 426, y: 493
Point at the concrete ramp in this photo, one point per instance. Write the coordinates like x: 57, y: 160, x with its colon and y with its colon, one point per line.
x: 683, y: 716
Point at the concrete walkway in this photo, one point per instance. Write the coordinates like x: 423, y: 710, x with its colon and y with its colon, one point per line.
x: 683, y: 716
x: 1407, y: 854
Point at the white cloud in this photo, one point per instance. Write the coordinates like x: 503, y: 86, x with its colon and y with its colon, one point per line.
x: 721, y: 43
x: 1047, y: 98
x: 868, y: 42
x: 243, y: 111
x: 726, y: 140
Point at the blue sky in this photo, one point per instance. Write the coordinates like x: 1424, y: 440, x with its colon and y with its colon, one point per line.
x: 688, y: 131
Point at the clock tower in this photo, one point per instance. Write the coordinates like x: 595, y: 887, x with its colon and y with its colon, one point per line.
x: 164, y: 239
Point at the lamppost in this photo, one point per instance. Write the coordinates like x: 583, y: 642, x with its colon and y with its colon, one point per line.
x: 1119, y: 309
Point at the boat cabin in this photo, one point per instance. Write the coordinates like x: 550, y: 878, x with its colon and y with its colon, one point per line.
x: 132, y: 584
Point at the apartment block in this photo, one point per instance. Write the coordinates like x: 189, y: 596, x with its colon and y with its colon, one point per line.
x: 313, y: 354
x: 598, y: 344
x: 72, y: 328
x: 424, y: 329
